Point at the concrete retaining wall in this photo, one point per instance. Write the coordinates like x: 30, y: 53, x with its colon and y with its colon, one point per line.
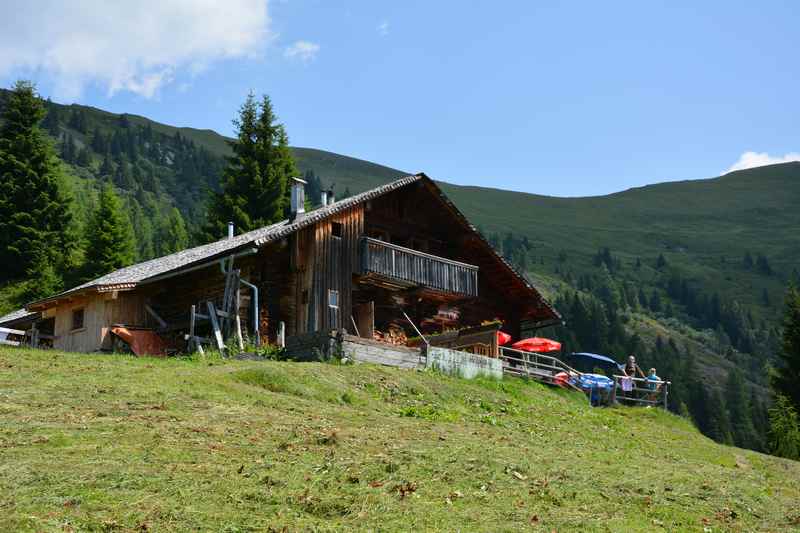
x: 463, y: 364
x: 326, y: 344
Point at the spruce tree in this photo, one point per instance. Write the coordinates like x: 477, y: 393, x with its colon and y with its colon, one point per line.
x: 784, y: 429
x: 739, y: 410
x: 255, y: 182
x: 787, y: 374
x: 173, y: 235
x: 110, y: 244
x: 35, y: 207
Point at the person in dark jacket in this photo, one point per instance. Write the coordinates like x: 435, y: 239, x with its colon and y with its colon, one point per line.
x: 631, y: 368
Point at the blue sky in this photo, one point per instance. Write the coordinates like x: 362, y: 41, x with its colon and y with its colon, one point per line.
x: 565, y: 99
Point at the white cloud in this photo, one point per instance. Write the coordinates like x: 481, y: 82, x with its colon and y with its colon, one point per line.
x: 302, y: 50
x: 135, y: 46
x: 383, y: 28
x: 759, y: 159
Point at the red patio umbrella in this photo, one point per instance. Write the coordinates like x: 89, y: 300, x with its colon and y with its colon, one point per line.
x: 537, y: 344
x: 503, y: 338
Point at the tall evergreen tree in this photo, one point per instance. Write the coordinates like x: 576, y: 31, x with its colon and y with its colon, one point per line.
x: 35, y: 207
x: 738, y: 403
x: 313, y: 187
x: 173, y: 235
x: 784, y: 429
x: 786, y: 380
x: 719, y: 423
x: 110, y: 243
x: 255, y: 183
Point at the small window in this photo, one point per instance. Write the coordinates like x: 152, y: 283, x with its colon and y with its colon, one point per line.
x: 333, y: 299
x: 77, y: 318
x: 336, y: 229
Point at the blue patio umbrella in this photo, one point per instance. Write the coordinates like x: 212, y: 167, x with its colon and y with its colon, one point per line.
x: 606, y: 360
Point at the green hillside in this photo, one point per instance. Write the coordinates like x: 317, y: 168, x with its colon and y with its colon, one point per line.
x: 114, y: 443
x: 704, y: 226
x: 681, y: 274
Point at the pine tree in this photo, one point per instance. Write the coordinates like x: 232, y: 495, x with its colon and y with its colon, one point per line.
x: 655, y: 301
x: 763, y: 266
x: 313, y: 187
x: 109, y: 237
x: 787, y: 374
x: 255, y: 183
x: 52, y: 121
x: 784, y: 429
x: 738, y: 403
x: 661, y: 262
x: 107, y: 167
x: 99, y: 142
x: 747, y: 261
x: 35, y: 207
x: 719, y: 424
x: 68, y: 149
x: 84, y: 158
x: 643, y: 302
x: 43, y: 280
x: 173, y: 235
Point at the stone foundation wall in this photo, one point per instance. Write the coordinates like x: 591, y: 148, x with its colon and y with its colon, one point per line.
x: 315, y: 346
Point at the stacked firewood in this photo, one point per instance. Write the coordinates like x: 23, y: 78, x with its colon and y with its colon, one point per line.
x: 394, y: 336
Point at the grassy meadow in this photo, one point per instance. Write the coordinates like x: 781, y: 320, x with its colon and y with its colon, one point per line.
x: 114, y: 443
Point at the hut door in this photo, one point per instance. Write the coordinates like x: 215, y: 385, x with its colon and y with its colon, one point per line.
x: 364, y: 316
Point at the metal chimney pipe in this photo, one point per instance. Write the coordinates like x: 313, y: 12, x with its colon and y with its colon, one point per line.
x: 230, y: 230
x: 324, y: 198
x: 298, y: 204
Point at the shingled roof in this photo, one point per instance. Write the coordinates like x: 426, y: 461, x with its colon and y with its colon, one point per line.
x: 19, y: 314
x: 131, y: 276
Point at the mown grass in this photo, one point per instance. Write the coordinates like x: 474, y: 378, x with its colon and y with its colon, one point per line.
x: 112, y: 443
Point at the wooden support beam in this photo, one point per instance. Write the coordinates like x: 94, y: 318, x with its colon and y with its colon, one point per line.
x: 212, y: 313
x: 153, y: 314
x: 191, y: 337
x: 237, y: 319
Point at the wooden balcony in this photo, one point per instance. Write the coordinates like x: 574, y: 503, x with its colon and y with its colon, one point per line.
x: 403, y: 267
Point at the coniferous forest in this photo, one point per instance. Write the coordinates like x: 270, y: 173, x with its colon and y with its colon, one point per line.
x: 84, y: 192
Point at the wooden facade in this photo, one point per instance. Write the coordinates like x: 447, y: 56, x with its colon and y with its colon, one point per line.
x: 364, y: 266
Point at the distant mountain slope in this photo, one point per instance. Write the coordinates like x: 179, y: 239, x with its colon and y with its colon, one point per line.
x: 705, y: 226
x: 702, y: 263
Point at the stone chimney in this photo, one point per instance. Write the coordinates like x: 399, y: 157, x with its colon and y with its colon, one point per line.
x: 298, y: 197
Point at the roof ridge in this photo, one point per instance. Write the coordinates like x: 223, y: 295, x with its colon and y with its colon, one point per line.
x: 139, y: 272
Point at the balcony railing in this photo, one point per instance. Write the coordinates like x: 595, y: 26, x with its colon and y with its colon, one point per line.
x: 407, y: 267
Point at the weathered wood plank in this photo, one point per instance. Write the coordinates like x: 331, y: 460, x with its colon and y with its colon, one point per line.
x: 212, y: 313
